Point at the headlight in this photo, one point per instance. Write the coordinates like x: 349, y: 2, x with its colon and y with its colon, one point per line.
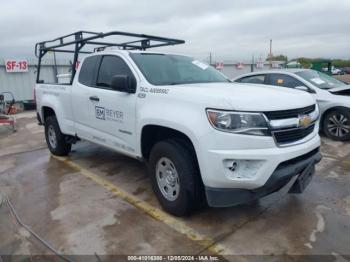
x: 238, y: 122
x: 315, y: 114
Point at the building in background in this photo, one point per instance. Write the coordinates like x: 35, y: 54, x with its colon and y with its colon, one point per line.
x: 18, y: 76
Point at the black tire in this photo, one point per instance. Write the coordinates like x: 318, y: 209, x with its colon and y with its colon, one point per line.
x: 336, y: 124
x: 60, y: 147
x: 190, y: 195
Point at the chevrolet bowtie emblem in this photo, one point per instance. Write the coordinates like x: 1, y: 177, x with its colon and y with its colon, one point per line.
x: 304, y: 120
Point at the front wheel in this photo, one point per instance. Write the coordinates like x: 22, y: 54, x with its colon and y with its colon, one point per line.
x: 336, y: 124
x: 55, y: 139
x: 175, y: 177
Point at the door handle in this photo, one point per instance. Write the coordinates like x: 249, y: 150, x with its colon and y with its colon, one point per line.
x: 94, y: 98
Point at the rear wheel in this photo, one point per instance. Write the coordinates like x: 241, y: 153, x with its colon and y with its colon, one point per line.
x: 55, y: 139
x: 175, y: 177
x: 336, y: 124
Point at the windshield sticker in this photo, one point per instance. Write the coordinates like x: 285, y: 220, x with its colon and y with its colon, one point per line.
x: 317, y: 81
x: 200, y: 64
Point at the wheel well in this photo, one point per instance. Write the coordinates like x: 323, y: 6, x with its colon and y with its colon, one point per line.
x: 47, y: 111
x: 328, y: 111
x: 151, y: 134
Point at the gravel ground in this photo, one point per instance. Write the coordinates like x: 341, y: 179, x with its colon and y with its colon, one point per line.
x: 345, y: 78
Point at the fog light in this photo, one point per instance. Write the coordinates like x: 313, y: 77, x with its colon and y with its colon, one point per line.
x: 242, y: 169
x: 233, y: 166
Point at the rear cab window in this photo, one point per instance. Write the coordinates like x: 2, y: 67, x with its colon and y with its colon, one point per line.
x: 88, y: 69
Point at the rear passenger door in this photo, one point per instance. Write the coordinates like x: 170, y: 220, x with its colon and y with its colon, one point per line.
x: 112, y: 113
x: 80, y: 96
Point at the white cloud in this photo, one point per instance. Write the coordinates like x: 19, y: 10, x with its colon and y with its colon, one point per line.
x: 228, y: 29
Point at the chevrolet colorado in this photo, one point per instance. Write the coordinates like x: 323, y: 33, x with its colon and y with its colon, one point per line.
x: 204, y: 139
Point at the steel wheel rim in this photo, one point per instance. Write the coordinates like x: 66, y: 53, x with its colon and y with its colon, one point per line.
x: 52, y: 137
x: 167, y: 179
x: 338, y: 125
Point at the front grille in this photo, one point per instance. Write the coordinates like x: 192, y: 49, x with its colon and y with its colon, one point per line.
x: 292, y: 135
x: 292, y: 113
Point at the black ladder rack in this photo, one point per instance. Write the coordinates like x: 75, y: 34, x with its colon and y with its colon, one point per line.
x: 81, y: 39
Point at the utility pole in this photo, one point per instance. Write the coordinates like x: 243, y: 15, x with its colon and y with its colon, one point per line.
x: 55, y: 66
x: 270, y: 55
x: 210, y: 58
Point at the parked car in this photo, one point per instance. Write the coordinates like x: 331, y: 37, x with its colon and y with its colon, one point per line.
x: 336, y: 71
x: 202, y: 140
x: 332, y: 95
x: 346, y: 70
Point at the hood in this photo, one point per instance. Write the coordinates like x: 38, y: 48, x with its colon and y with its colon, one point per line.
x: 344, y: 90
x: 247, y: 97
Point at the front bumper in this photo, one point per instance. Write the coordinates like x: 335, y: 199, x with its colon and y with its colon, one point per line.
x: 256, y: 158
x: 285, y: 171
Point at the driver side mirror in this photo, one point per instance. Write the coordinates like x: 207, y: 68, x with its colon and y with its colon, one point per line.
x: 123, y: 83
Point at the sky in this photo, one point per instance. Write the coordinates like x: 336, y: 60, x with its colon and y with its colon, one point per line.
x: 229, y: 29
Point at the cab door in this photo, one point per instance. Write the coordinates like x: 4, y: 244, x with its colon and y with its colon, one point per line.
x: 112, y: 112
x: 80, y: 94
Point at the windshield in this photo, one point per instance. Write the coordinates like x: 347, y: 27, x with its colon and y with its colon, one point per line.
x: 161, y: 69
x: 320, y: 80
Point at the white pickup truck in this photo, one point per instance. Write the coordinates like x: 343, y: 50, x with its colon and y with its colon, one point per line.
x: 204, y: 139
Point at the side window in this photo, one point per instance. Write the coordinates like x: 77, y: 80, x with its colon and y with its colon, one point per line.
x: 111, y: 66
x: 284, y: 80
x: 87, y: 71
x: 256, y: 79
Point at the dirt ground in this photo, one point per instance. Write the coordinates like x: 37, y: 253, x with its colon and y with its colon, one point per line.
x: 97, y: 203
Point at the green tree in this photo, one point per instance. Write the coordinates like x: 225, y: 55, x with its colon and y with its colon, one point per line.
x: 341, y: 63
x: 278, y: 58
x: 305, y: 62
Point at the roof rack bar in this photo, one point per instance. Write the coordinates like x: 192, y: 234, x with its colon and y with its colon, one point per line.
x: 150, y: 37
x: 72, y: 34
x: 124, y: 46
x: 102, y: 43
x: 128, y: 44
x: 136, y: 41
x: 81, y: 39
x: 68, y: 51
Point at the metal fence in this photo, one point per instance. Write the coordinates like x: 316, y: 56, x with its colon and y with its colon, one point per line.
x: 232, y: 70
x: 22, y: 84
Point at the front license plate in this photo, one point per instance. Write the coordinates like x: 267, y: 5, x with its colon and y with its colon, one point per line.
x: 303, y: 180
